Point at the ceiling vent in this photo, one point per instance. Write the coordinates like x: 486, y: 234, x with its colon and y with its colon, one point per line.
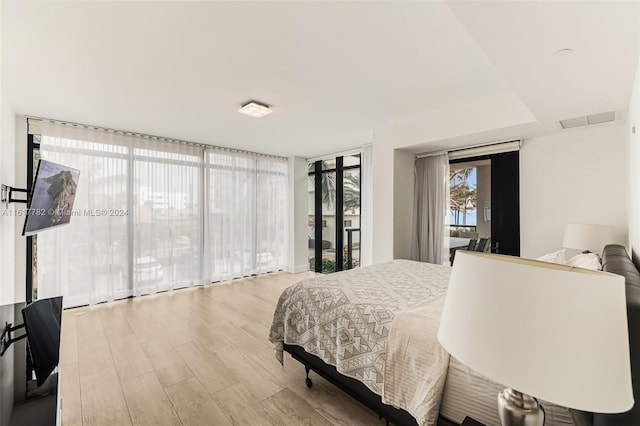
x: 603, y: 117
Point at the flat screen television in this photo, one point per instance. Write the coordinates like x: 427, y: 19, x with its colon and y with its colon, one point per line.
x: 42, y: 320
x: 50, y: 201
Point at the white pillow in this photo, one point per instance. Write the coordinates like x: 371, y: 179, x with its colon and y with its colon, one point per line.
x: 555, y: 257
x: 586, y: 261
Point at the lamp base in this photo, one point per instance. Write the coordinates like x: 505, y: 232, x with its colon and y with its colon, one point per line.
x: 519, y: 409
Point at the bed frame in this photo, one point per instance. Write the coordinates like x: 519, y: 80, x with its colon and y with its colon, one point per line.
x: 614, y: 259
x: 354, y: 388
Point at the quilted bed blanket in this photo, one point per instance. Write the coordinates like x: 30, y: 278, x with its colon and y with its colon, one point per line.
x: 345, y: 318
x: 416, y: 364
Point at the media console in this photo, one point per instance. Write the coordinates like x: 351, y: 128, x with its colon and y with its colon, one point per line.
x: 22, y: 401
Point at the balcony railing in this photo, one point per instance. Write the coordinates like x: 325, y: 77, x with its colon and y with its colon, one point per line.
x: 350, y: 232
x: 455, y: 229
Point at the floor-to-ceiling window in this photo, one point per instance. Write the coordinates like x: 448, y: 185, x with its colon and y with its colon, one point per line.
x: 166, y: 216
x: 334, y: 213
x: 247, y: 213
x: 152, y: 214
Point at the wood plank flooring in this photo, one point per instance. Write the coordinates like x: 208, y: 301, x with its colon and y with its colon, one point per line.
x: 196, y: 356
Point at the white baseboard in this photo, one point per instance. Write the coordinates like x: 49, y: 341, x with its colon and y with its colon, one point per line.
x: 298, y: 269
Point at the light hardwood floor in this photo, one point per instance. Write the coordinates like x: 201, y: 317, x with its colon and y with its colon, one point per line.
x: 196, y: 356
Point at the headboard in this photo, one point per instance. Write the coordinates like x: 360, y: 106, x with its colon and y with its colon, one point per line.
x: 616, y: 260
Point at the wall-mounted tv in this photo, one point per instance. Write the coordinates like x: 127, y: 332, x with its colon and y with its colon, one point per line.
x: 51, y: 199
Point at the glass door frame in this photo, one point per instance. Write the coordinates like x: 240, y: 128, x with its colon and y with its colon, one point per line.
x: 339, y: 170
x: 32, y: 147
x: 505, y: 200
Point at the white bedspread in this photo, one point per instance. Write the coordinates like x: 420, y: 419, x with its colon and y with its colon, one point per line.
x: 344, y: 318
x: 416, y: 365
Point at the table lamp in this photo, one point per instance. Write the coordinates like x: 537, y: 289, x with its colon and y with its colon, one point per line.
x: 586, y: 237
x: 550, y: 331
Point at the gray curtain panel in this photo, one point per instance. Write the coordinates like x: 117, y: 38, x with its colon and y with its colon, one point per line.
x: 430, y: 208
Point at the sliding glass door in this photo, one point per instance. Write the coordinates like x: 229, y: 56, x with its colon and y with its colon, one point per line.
x: 485, y: 202
x: 334, y: 214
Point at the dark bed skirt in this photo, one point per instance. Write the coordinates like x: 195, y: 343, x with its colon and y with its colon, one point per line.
x: 356, y: 389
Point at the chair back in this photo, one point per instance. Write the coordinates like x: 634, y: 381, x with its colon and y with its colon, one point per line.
x: 472, y: 245
x: 484, y: 245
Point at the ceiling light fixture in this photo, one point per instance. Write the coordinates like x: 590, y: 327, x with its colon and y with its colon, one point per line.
x: 255, y: 109
x: 562, y: 52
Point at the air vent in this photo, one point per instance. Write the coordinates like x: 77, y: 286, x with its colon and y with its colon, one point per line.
x: 603, y: 117
x: 573, y: 122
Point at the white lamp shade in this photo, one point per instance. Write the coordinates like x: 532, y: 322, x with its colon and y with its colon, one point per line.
x: 586, y: 237
x: 552, y: 331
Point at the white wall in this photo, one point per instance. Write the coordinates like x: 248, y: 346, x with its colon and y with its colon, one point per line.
x: 574, y: 176
x: 9, y: 287
x: 7, y: 255
x: 8, y: 291
x: 633, y: 145
x: 423, y: 130
x: 298, y: 215
x: 403, y: 184
x: 383, y: 192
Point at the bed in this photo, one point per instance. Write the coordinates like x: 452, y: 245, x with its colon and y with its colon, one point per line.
x: 339, y: 326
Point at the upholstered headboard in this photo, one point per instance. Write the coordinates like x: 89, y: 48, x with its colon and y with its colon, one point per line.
x: 616, y: 260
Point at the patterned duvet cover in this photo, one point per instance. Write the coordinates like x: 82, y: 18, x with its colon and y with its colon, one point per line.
x: 344, y: 318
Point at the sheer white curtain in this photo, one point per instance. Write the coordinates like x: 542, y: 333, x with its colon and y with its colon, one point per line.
x: 153, y: 215
x: 431, y: 207
x: 271, y: 214
x: 167, y: 219
x: 246, y: 213
x: 87, y: 261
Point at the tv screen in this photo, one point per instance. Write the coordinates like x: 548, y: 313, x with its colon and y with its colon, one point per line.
x: 51, y: 199
x: 42, y: 320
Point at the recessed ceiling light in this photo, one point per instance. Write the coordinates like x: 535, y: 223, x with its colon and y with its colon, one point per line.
x: 255, y: 109
x: 562, y: 52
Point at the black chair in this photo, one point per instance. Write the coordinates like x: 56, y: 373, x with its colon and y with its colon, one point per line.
x: 484, y: 245
x: 472, y: 245
x: 452, y: 251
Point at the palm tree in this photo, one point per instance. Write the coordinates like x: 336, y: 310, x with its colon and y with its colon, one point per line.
x: 351, y: 192
x: 463, y: 197
x: 328, y: 185
x: 351, y: 188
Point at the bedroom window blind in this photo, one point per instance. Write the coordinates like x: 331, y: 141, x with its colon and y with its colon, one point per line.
x: 153, y: 214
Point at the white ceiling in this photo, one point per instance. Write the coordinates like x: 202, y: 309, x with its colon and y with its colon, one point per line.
x: 520, y: 38
x: 334, y: 72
